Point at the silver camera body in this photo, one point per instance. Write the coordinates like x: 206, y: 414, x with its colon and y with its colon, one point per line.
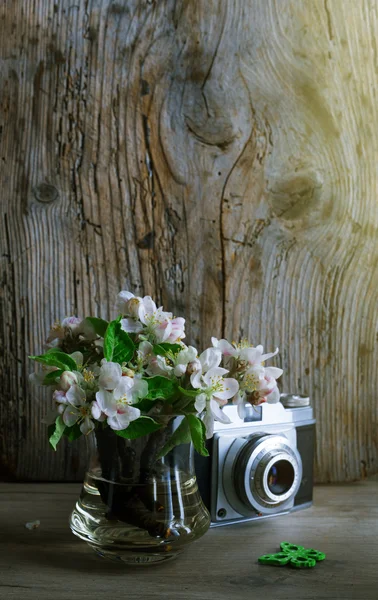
x: 261, y: 466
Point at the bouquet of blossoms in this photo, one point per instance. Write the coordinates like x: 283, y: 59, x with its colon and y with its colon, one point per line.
x: 134, y: 374
x: 144, y: 394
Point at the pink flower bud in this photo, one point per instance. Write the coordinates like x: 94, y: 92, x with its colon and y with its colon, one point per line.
x: 72, y: 324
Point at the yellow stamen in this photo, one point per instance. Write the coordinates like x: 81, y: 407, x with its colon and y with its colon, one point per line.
x: 88, y: 376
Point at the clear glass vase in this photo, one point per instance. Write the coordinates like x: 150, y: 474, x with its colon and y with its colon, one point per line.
x: 135, y: 507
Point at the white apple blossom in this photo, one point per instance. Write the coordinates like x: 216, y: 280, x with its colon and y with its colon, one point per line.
x: 215, y: 389
x: 135, y: 307
x: 213, y: 412
x: 71, y: 323
x: 225, y: 347
x: 210, y: 358
x: 258, y: 383
x: 148, y: 361
x: 117, y: 404
x: 243, y: 351
x: 255, y: 355
x: 181, y: 360
x: 142, y: 315
x: 74, y: 408
x: 172, y: 364
x: 59, y: 330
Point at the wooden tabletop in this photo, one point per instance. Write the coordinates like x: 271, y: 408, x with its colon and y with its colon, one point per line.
x: 50, y: 563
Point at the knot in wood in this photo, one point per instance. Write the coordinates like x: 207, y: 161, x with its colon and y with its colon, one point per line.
x: 293, y: 195
x: 45, y: 192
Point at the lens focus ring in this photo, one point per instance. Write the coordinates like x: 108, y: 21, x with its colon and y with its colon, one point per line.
x: 267, y: 472
x: 274, y: 478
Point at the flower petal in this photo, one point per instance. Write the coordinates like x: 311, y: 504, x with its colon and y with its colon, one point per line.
x: 118, y: 422
x: 231, y: 386
x: 78, y: 358
x: 110, y: 375
x: 87, y: 426
x: 214, y: 374
x: 163, y: 330
x: 132, y: 413
x: 273, y: 396
x: 75, y: 395
x: 145, y: 349
x: 122, y: 301
x: 200, y: 403
x: 225, y: 347
x: 70, y: 416
x: 149, y: 308
x: 122, y: 420
x: 140, y: 388
x: 107, y: 402
x: 256, y: 370
x: 218, y: 414
x: 163, y: 365
x: 208, y: 421
x: 195, y: 379
x: 274, y: 372
x: 252, y: 355
x: 210, y: 358
x: 269, y: 355
x: 123, y: 388
x: 131, y: 325
x: 97, y: 412
x: 240, y: 401
x: 179, y: 370
x: 177, y: 330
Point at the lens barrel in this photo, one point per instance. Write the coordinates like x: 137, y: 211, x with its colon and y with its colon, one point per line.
x: 266, y: 472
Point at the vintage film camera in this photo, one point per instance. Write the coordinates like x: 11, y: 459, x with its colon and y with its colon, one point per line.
x: 261, y: 466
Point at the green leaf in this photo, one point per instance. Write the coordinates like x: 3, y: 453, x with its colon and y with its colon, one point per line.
x: 55, y: 431
x: 180, y: 436
x: 99, y: 325
x: 118, y: 345
x: 138, y: 428
x: 56, y: 358
x: 160, y: 387
x: 50, y: 378
x: 73, y: 433
x: 164, y: 348
x: 189, y: 393
x: 198, y: 434
x: 146, y: 404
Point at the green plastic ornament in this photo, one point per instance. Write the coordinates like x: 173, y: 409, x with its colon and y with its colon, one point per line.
x: 293, y: 555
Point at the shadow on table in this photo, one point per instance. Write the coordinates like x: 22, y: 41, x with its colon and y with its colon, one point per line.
x: 58, y: 549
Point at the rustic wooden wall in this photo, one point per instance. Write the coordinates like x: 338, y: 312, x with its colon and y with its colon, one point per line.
x: 220, y: 155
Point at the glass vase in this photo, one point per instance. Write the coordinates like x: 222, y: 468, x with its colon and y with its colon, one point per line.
x: 135, y: 506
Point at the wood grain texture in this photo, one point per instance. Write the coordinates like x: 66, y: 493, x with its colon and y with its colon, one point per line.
x: 50, y: 562
x: 220, y: 156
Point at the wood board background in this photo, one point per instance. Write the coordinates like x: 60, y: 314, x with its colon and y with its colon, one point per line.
x: 218, y: 155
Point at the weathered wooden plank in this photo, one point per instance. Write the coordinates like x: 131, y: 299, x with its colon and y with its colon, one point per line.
x: 218, y: 155
x: 50, y: 562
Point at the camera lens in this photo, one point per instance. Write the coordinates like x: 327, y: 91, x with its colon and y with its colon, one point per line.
x: 280, y: 477
x: 266, y: 473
